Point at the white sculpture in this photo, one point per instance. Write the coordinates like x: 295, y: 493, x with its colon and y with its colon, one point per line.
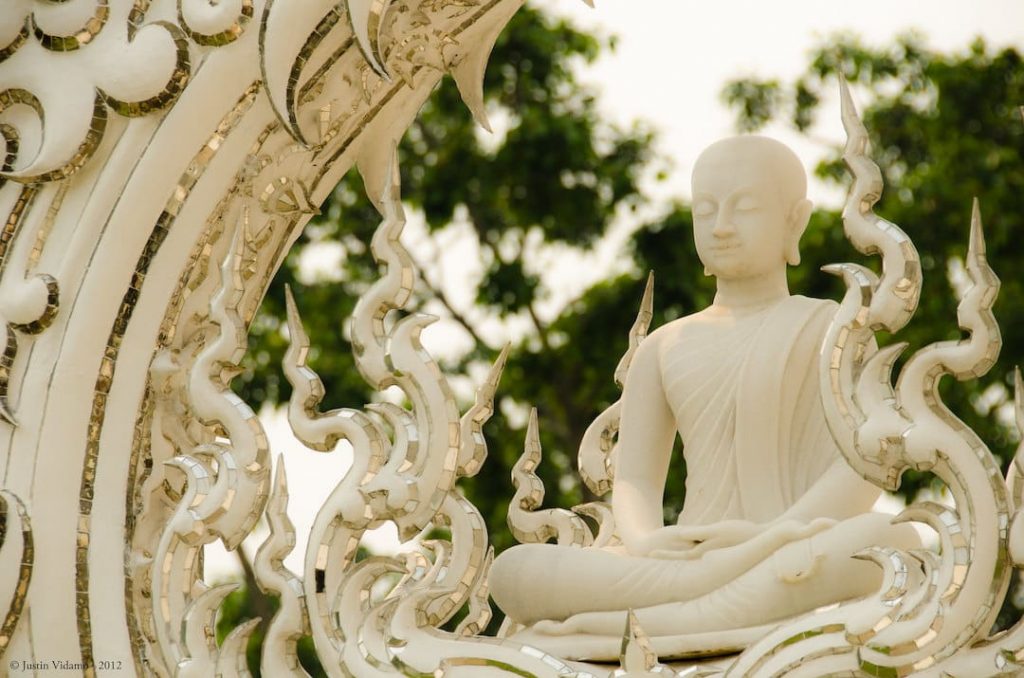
x: 161, y: 156
x: 772, y: 513
x: 930, y: 608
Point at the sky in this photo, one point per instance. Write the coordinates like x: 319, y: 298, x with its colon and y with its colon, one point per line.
x: 671, y: 61
x: 674, y: 56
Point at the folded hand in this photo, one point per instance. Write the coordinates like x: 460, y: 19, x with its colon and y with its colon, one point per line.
x: 689, y: 542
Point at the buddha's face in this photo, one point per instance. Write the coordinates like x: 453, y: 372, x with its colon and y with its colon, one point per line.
x: 749, y: 208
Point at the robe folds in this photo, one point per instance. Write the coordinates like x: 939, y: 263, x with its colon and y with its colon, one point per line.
x: 744, y: 394
x: 747, y: 407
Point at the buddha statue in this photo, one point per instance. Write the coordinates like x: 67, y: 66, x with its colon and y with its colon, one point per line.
x: 772, y: 513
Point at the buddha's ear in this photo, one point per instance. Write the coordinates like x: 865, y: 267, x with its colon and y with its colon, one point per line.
x: 799, y: 217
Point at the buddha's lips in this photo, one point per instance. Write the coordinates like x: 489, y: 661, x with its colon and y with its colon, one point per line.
x: 727, y: 247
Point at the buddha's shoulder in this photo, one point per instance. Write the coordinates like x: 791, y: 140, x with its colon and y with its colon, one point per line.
x: 821, y: 310
x: 674, y: 327
x: 672, y: 331
x: 818, y: 312
x: 813, y: 304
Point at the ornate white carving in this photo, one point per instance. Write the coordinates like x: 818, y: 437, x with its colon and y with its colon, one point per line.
x: 279, y: 656
x: 16, y: 559
x: 408, y: 478
x: 597, y: 448
x: 638, y: 660
x: 225, y: 488
x: 149, y: 146
x: 529, y: 525
x: 136, y: 136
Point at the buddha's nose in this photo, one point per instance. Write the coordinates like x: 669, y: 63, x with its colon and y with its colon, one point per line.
x: 723, y: 225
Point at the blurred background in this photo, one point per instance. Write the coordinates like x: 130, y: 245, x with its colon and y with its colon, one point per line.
x: 541, y: 233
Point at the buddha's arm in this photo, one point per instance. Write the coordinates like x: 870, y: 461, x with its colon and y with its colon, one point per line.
x: 646, y: 434
x: 838, y: 494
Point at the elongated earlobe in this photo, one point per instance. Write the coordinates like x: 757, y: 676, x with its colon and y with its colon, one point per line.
x: 706, y: 271
x: 793, y: 254
x: 799, y: 219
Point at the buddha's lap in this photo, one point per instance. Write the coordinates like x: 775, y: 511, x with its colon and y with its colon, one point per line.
x: 533, y: 582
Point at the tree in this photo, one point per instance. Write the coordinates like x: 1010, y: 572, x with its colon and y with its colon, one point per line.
x: 944, y: 126
x: 559, y: 175
x: 556, y: 173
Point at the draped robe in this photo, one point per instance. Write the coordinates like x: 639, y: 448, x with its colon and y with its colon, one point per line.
x: 745, y: 398
x: 746, y: 405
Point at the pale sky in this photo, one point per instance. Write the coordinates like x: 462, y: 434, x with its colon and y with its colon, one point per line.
x: 672, y: 59
x: 675, y: 55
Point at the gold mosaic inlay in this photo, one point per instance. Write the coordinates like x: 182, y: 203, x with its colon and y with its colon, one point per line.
x: 108, y: 364
x: 81, y: 37
x: 192, y: 274
x: 10, y: 505
x: 10, y: 348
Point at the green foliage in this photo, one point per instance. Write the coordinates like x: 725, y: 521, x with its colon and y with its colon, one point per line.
x: 553, y: 169
x: 944, y: 127
x: 758, y: 101
x: 238, y: 607
x: 559, y: 171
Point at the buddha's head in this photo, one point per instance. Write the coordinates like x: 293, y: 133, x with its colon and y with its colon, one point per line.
x: 750, y: 207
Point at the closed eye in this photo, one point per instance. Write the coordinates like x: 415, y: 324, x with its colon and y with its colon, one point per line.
x: 704, y: 209
x: 746, y: 205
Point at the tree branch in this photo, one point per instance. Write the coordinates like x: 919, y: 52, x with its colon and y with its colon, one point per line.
x: 456, y: 315
x: 259, y: 602
x: 438, y: 292
x: 542, y: 330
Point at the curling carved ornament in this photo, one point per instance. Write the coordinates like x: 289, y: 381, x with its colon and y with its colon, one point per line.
x: 138, y: 72
x: 73, y: 74
x: 320, y: 124
x: 938, y: 622
x: 136, y: 57
x: 274, y: 193
x: 407, y: 461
